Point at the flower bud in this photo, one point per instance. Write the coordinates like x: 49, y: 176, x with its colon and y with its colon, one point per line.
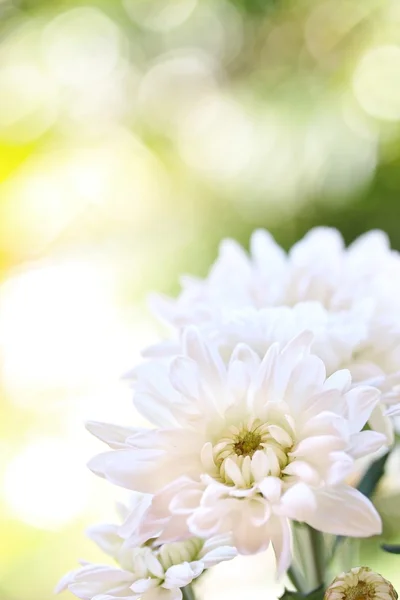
x: 360, y: 583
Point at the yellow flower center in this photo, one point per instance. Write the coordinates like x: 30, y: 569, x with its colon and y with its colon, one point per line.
x: 362, y: 591
x: 247, y: 444
x: 360, y: 583
x: 239, y: 443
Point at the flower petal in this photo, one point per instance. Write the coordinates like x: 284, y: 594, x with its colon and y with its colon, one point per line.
x: 113, y: 435
x: 91, y: 580
x: 143, y: 585
x: 138, y: 470
x: 361, y: 401
x: 106, y: 537
x: 297, y: 503
x: 281, y: 539
x: 366, y: 442
x: 180, y: 575
x: 217, y: 555
x: 344, y: 511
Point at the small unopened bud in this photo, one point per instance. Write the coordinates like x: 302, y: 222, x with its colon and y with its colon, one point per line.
x: 360, y: 584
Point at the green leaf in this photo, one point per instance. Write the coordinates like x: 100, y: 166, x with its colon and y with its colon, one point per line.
x: 314, y: 595
x: 291, y: 595
x: 392, y: 549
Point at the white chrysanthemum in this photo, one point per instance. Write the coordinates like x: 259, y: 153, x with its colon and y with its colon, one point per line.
x: 338, y: 337
x: 362, y: 281
x: 151, y: 571
x: 317, y: 268
x: 360, y: 583
x: 246, y: 445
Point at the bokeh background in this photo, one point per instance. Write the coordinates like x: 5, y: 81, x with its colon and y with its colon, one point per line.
x: 134, y: 135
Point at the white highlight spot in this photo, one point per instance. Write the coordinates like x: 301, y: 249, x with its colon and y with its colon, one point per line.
x: 47, y: 484
x: 81, y: 46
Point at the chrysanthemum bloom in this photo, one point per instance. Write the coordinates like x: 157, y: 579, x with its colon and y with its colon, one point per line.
x: 358, y: 285
x: 152, y: 571
x: 247, y: 444
x: 317, y: 268
x: 360, y: 584
x: 337, y: 337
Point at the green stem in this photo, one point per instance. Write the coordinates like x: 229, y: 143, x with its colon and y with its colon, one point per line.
x: 308, y: 557
x: 296, y: 580
x: 318, y: 551
x: 188, y: 593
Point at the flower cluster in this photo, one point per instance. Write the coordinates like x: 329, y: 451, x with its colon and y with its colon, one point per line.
x: 281, y: 371
x: 146, y: 567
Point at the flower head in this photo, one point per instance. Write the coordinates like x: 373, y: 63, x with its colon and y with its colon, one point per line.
x: 244, y: 445
x: 317, y: 268
x: 360, y: 583
x: 347, y: 297
x: 338, y: 337
x: 152, y: 571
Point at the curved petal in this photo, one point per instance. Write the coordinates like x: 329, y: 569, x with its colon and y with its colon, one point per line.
x: 184, y: 374
x: 106, y: 537
x: 180, y: 575
x: 217, y: 555
x: 366, y: 442
x: 361, y: 401
x: 321, y: 244
x: 113, y: 435
x: 248, y: 537
x: 134, y: 519
x: 340, y: 381
x: 91, y: 580
x: 154, y: 397
x: 298, y: 503
x: 266, y: 253
x: 143, y: 585
x: 380, y: 422
x: 139, y: 470
x: 281, y: 539
x: 344, y: 511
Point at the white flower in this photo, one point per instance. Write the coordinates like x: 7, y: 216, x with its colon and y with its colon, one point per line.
x: 359, y: 286
x: 152, y: 571
x: 360, y: 583
x: 338, y: 337
x: 318, y: 268
x: 246, y: 445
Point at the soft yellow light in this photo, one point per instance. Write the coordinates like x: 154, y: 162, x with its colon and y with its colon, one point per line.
x: 47, y: 484
x: 54, y: 191
x: 25, y: 116
x: 217, y: 138
x: 174, y: 84
x: 376, y: 82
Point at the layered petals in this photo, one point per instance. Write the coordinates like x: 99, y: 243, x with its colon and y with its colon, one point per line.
x: 267, y: 440
x: 346, y: 297
x: 152, y: 570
